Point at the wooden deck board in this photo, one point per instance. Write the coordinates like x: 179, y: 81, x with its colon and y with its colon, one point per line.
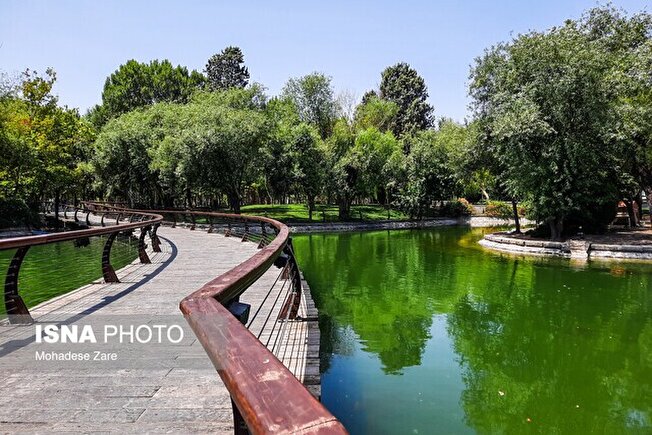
x: 175, y: 389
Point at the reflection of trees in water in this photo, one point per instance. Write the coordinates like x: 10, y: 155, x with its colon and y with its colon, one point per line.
x: 571, y: 351
x: 334, y: 340
x: 403, y: 344
x: 378, y: 288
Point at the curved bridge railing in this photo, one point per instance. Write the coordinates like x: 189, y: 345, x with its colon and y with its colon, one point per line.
x: 108, y: 223
x: 267, y: 398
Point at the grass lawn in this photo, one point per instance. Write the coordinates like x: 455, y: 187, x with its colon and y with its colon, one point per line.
x: 299, y: 212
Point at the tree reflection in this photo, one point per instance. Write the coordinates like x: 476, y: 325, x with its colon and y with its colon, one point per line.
x: 568, y: 352
x: 374, y: 286
x: 542, y: 347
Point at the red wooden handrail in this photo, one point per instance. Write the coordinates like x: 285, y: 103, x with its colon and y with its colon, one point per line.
x: 17, y: 311
x: 43, y: 239
x: 269, y: 398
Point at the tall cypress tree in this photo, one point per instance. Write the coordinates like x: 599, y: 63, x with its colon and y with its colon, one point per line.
x: 226, y: 70
x: 402, y: 85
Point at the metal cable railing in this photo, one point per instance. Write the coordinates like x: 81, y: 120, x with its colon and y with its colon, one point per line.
x: 267, y: 398
x: 16, y: 309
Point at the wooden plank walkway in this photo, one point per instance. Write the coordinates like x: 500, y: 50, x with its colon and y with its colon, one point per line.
x: 154, y: 388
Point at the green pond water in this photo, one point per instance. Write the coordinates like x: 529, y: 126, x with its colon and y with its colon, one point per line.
x: 57, y: 268
x: 423, y: 331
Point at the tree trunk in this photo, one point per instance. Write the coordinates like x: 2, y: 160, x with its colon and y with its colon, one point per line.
x: 234, y: 202
x: 556, y: 228
x: 633, y: 219
x: 485, y: 195
x: 57, y: 201
x: 188, y: 198
x: 649, y: 202
x: 311, y: 206
x: 517, y: 222
x: 382, y: 196
x: 344, y: 206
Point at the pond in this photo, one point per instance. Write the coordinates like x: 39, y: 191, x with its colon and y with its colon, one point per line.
x: 423, y: 331
x: 57, y: 268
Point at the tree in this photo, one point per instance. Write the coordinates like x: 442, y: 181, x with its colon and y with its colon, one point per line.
x: 226, y: 144
x: 137, y: 84
x: 628, y: 39
x: 546, y: 108
x: 125, y: 150
x: 314, y: 99
x: 167, y: 153
x: 42, y: 145
x: 375, y: 112
x: 426, y: 174
x: 342, y: 175
x: 369, y: 156
x: 276, y: 154
x: 308, y: 158
x: 402, y: 85
x: 226, y: 70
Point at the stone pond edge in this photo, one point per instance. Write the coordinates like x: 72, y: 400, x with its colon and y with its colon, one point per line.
x: 575, y: 249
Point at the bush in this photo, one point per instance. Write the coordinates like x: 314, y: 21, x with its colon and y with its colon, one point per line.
x: 16, y: 213
x: 499, y: 209
x: 458, y: 208
x: 504, y: 210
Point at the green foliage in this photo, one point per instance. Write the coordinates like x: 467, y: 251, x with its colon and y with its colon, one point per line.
x: 425, y: 175
x: 137, y: 84
x: 547, y: 107
x: 308, y: 156
x: 457, y: 208
x: 226, y: 70
x: 125, y: 156
x: 313, y: 96
x: 342, y: 176
x: 403, y: 86
x: 369, y: 156
x: 374, y: 112
x: 42, y: 146
x: 168, y: 151
x: 275, y: 152
x: 16, y: 213
x: 504, y: 210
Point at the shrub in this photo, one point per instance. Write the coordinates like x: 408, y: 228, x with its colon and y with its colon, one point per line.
x: 504, y: 210
x: 16, y: 213
x: 499, y: 209
x: 458, y: 208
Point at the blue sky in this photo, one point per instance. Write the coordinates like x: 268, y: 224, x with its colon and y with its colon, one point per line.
x: 350, y: 41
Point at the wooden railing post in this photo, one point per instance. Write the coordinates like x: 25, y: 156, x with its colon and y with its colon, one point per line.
x: 239, y: 425
x: 107, y: 270
x: 142, y: 253
x: 156, y: 242
x: 263, y: 236
x: 292, y: 272
x: 245, y: 236
x: 17, y: 311
x: 192, y: 219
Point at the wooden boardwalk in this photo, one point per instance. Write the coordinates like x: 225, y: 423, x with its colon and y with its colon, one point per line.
x: 170, y: 388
